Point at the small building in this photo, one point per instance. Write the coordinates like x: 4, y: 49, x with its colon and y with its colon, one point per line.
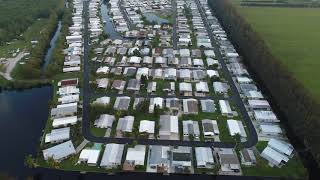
x: 118, y: 85
x: 170, y: 74
x: 159, y: 158
x: 190, y: 106
x: 185, y: 74
x: 155, y: 102
x: 122, y: 103
x: 277, y: 153
x: 112, y: 156
x: 89, y: 156
x: 102, y: 100
x: 143, y: 71
x: 152, y: 87
x: 105, y: 121
x: 213, y: 73
x: 228, y: 160
x: 103, y: 83
x: 225, y: 108
x: 125, y: 125
x: 147, y: 127
x: 133, y: 85
x: 173, y: 104
x: 168, y: 127
x: 236, y: 127
x: 207, y: 105
x: 202, y: 87
x: 184, y: 52
x: 204, y: 157
x: 185, y: 89
x: 181, y: 159
x: 58, y: 135
x: 64, y: 110
x: 270, y: 129
x: 191, y: 128
x: 210, y: 128
x: 60, y: 151
x: 220, y: 87
x: 64, y: 121
x: 135, y: 157
x: 103, y: 70
x: 259, y: 104
x: 69, y: 99
x: 265, y: 116
x: 247, y: 157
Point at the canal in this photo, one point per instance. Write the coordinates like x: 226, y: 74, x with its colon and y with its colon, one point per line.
x: 53, y: 41
x: 109, y: 27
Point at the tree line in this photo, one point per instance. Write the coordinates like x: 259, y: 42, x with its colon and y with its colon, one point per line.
x: 17, y: 15
x: 290, y: 97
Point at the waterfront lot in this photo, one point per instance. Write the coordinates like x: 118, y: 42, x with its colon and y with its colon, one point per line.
x: 292, y: 35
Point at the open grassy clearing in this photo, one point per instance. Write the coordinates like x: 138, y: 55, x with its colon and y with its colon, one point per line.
x: 24, y: 42
x: 292, y: 35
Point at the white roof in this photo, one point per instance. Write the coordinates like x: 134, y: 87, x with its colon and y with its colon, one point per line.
x: 185, y: 87
x: 270, y: 129
x: 197, y: 62
x: 281, y: 146
x: 204, y: 156
x: 104, y: 121
x: 212, y: 73
x: 265, y: 116
x: 125, y: 124
x: 147, y: 126
x: 225, y: 107
x: 103, y: 82
x: 236, y: 127
x: 244, y: 80
x: 202, y: 87
x: 209, y: 53
x: 184, y: 52
x: 59, y: 151
x: 112, y: 155
x: 274, y: 157
x: 89, y: 155
x: 58, y: 135
x: 135, y: 59
x: 254, y: 94
x: 102, y: 100
x: 257, y: 104
x: 136, y: 154
x: 103, y: 70
x: 69, y: 99
x: 67, y: 90
x: 64, y: 121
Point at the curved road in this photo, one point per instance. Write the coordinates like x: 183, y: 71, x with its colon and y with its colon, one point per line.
x: 252, y: 136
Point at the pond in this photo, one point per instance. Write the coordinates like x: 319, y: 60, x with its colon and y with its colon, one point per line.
x: 23, y: 115
x: 151, y: 17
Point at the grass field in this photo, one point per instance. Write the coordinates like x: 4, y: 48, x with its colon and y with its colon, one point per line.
x: 293, y: 36
x: 23, y: 42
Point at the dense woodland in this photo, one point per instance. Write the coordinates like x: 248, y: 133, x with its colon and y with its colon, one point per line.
x: 17, y: 15
x: 291, y: 98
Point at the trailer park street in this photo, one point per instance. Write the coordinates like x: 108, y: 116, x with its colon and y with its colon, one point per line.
x: 156, y: 86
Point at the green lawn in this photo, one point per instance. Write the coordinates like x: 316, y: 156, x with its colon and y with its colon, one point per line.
x: 292, y: 170
x: 293, y: 36
x: 23, y: 42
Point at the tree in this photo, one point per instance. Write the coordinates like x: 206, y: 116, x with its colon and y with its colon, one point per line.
x: 237, y: 139
x: 29, y: 161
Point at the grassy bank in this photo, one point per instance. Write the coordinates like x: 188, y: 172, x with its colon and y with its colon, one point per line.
x: 292, y: 35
